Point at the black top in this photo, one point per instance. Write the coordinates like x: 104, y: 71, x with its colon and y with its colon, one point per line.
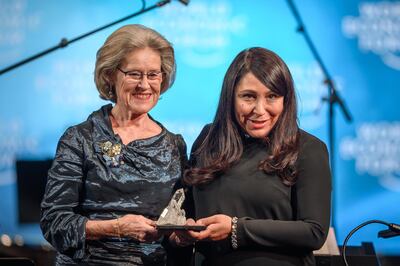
x: 86, y: 182
x: 278, y: 224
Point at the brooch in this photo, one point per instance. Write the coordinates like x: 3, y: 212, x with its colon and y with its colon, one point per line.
x: 111, y: 153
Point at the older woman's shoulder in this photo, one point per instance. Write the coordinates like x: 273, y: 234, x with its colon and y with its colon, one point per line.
x: 85, y: 128
x: 178, y: 138
x: 172, y: 136
x: 96, y: 118
x: 77, y: 132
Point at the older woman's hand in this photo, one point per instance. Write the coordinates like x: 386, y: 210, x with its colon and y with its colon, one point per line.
x: 138, y: 227
x: 218, y: 227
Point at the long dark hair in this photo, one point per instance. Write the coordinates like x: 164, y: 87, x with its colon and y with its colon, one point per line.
x: 223, y: 145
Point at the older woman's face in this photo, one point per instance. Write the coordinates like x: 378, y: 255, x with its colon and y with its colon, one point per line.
x: 138, y: 90
x: 257, y: 108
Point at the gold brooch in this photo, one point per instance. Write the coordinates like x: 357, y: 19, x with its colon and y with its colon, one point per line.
x: 109, y: 149
x: 111, y: 152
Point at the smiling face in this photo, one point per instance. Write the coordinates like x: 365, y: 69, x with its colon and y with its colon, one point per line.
x: 257, y: 108
x: 138, y: 96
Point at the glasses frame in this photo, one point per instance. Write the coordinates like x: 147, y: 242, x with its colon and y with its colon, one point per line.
x: 142, y: 74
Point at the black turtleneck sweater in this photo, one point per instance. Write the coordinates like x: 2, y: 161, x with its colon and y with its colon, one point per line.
x: 278, y: 224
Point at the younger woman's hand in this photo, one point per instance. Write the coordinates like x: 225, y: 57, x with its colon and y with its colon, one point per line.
x: 218, y: 227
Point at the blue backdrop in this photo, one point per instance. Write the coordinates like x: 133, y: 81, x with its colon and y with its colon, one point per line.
x: 359, y: 42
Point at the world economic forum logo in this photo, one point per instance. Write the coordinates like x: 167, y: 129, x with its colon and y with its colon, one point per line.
x: 376, y: 151
x: 377, y: 29
x: 203, y: 32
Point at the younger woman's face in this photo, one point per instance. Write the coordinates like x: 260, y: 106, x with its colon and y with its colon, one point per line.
x: 257, y: 108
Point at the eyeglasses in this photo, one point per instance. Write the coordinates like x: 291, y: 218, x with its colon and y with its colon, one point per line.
x: 136, y: 76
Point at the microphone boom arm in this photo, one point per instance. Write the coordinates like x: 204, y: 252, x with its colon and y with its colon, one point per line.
x: 65, y: 42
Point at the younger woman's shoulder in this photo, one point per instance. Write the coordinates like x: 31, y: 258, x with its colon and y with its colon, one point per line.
x: 201, y: 137
x: 309, y: 141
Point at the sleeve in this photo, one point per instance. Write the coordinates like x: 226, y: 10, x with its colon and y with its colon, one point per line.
x: 60, y: 223
x: 311, y: 203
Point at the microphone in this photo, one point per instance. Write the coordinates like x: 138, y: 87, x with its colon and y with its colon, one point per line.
x: 394, y: 230
x: 185, y: 2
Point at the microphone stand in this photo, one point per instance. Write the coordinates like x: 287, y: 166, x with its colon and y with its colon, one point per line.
x: 333, y: 95
x: 393, y: 230
x: 65, y: 42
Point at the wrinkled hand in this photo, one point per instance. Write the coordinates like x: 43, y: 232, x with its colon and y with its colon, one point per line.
x: 183, y: 238
x: 138, y: 227
x: 218, y: 227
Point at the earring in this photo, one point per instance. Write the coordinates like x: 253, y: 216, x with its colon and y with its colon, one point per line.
x: 110, y: 92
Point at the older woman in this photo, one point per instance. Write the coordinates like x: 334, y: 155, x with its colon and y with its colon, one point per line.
x: 260, y: 184
x: 114, y: 173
